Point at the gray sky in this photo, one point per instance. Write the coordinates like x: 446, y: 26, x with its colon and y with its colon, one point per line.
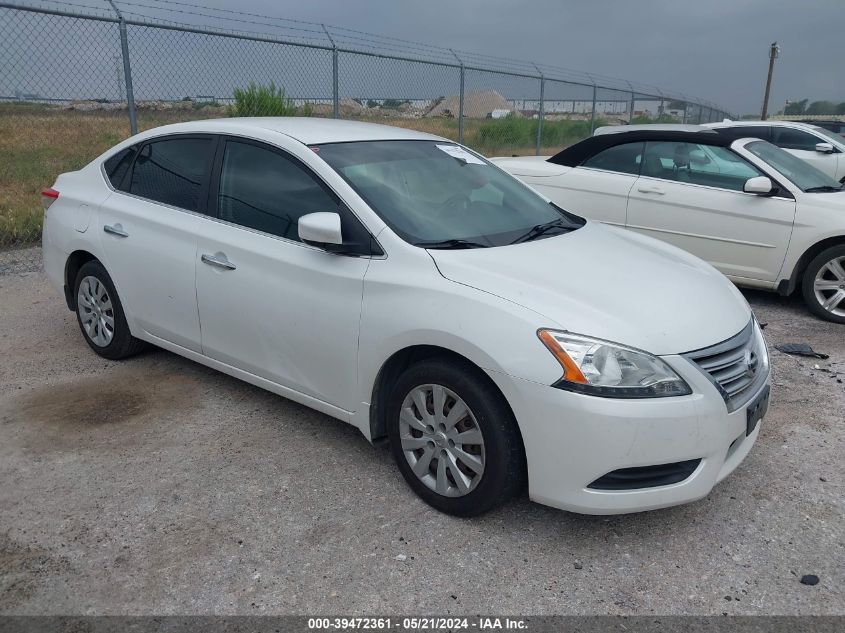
x: 715, y: 49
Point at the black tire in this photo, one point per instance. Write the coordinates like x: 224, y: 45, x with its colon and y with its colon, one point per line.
x: 122, y: 344
x: 504, y: 456
x: 808, y: 280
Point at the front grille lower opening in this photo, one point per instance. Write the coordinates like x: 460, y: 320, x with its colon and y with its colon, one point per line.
x: 646, y: 476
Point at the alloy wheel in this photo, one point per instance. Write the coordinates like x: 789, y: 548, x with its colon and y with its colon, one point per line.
x: 829, y: 286
x: 441, y: 440
x: 95, y: 311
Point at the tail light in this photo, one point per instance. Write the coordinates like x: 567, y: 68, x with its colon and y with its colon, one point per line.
x: 48, y: 197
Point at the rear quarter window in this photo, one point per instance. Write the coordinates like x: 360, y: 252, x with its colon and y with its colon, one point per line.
x: 117, y: 166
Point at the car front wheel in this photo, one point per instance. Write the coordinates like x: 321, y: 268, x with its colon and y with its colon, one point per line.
x: 454, y: 438
x: 823, y: 285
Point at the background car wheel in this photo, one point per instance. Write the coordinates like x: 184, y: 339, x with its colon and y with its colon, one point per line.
x: 100, y: 315
x: 454, y: 438
x: 823, y: 285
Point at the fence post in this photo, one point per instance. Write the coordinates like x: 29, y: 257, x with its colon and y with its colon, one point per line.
x: 335, y: 97
x: 631, y: 113
x: 700, y: 113
x: 686, y: 105
x: 127, y: 71
x: 593, y: 115
x: 461, y: 104
x: 540, y: 111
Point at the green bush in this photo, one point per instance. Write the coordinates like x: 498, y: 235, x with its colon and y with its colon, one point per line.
x: 261, y: 100
x: 516, y: 132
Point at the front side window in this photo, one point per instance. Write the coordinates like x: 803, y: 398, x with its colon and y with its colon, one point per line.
x: 802, y: 174
x: 697, y: 164
x: 625, y: 158
x: 262, y: 189
x: 438, y: 195
x: 172, y: 171
x: 790, y: 138
x: 833, y: 137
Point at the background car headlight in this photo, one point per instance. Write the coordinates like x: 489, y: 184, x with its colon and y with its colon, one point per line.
x: 601, y: 368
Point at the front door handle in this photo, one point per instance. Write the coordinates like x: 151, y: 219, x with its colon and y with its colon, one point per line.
x: 651, y: 189
x: 117, y: 229
x: 219, y: 260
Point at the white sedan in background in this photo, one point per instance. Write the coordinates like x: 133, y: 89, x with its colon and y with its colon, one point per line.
x: 761, y: 216
x: 823, y: 149
x: 401, y: 283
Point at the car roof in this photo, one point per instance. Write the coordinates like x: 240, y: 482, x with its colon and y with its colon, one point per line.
x: 307, y: 130
x: 772, y: 122
x: 667, y: 127
x: 576, y: 154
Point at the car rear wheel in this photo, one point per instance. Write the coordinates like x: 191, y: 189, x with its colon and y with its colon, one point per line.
x: 823, y: 285
x: 100, y: 314
x: 454, y: 438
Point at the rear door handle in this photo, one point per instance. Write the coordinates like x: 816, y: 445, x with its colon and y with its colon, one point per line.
x: 117, y: 229
x: 651, y: 189
x: 219, y: 260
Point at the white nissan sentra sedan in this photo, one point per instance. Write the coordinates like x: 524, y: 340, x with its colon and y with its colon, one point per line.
x: 403, y: 284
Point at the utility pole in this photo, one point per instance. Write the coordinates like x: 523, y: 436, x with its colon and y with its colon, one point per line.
x: 773, y: 54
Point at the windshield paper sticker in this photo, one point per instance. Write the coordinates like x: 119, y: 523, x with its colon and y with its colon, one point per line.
x: 461, y: 154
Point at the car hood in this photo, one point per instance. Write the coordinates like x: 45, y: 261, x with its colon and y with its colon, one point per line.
x: 608, y: 283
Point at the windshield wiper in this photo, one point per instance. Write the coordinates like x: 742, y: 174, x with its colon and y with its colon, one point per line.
x: 452, y: 244
x: 542, y: 229
x: 823, y: 188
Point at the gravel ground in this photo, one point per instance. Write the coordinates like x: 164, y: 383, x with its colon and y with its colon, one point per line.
x: 157, y: 486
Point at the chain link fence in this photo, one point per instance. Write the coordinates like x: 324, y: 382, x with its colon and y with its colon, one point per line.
x: 75, y: 79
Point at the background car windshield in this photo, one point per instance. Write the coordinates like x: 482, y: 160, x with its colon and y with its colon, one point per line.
x: 429, y: 191
x: 804, y: 175
x: 835, y: 138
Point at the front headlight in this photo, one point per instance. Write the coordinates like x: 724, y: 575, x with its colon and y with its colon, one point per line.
x: 601, y: 368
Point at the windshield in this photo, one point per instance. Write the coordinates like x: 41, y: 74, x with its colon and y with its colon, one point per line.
x: 833, y: 136
x: 802, y: 174
x: 439, y: 195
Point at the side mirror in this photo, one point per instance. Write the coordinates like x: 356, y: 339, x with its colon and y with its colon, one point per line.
x: 824, y: 148
x: 320, y: 229
x: 759, y: 185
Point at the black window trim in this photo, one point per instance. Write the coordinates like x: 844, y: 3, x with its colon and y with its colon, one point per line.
x: 203, y: 195
x: 376, y: 250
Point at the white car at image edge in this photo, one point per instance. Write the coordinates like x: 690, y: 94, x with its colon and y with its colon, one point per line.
x: 762, y: 216
x: 401, y: 283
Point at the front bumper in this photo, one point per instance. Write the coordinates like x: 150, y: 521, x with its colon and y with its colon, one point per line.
x: 573, y: 439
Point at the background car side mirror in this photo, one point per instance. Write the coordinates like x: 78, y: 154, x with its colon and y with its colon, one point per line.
x: 320, y: 229
x: 824, y: 148
x: 759, y: 185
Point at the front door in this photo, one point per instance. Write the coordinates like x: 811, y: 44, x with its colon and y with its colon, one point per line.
x: 270, y: 304
x: 691, y: 195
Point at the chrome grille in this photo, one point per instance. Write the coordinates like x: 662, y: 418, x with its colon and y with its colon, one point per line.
x: 736, y: 367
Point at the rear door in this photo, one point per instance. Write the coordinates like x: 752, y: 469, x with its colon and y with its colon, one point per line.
x: 802, y: 144
x: 269, y: 304
x: 598, y: 188
x: 691, y: 195
x: 148, y: 230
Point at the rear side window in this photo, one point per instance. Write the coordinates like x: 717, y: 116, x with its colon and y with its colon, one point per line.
x: 262, y: 189
x: 172, y: 171
x: 625, y: 158
x: 117, y: 166
x: 789, y: 138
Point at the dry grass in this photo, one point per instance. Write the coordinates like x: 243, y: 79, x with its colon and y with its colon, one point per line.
x: 37, y: 143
